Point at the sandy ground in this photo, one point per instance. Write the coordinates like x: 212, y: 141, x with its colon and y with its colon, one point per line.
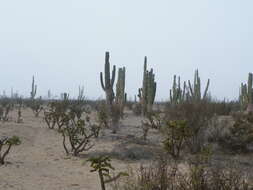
x: 40, y: 162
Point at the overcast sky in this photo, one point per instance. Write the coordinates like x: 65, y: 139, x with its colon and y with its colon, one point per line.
x: 63, y: 42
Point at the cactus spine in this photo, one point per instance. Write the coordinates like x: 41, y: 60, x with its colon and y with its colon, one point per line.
x: 177, y: 94
x: 120, y: 90
x: 34, y: 89
x: 148, y: 91
x: 108, y: 81
x: 195, y: 89
x: 246, y: 94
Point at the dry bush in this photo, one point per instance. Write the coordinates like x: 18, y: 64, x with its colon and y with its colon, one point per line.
x: 7, y: 142
x: 6, y: 105
x: 240, y: 135
x: 176, y: 133
x: 197, y: 116
x: 163, y: 175
x: 218, y: 128
x: 137, y: 109
x: 78, y: 136
x: 151, y: 121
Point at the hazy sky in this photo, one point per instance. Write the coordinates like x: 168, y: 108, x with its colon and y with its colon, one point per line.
x: 63, y: 42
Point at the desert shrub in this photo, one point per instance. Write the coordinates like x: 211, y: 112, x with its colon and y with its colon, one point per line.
x: 223, y: 107
x: 102, y: 165
x: 152, y: 121
x: 176, y: 134
x: 19, y: 102
x: 218, y: 128
x: 103, y: 115
x: 115, y: 117
x: 137, y: 109
x: 7, y: 142
x: 78, y: 136
x: 129, y: 104
x: 36, y: 106
x: 197, y: 116
x: 240, y: 135
x: 163, y: 175
x: 56, y: 114
x: 6, y: 105
x: 50, y: 119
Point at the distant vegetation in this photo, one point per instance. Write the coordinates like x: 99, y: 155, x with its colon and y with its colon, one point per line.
x: 192, y: 126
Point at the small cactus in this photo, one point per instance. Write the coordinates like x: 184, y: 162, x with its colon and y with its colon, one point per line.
x: 9, y: 142
x: 246, y: 94
x: 103, y: 166
x: 34, y: 89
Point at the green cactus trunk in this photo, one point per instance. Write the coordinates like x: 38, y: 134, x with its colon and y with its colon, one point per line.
x: 108, y: 81
x: 34, y: 89
x: 148, y: 91
x: 120, y: 90
x: 246, y: 94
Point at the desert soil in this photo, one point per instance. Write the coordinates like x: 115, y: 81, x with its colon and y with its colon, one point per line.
x: 40, y: 162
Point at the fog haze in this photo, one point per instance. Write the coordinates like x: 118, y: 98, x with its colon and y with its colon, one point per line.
x: 63, y: 43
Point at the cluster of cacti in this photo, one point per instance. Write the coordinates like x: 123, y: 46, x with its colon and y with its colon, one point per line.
x: 195, y: 88
x: 148, y: 91
x: 177, y: 94
x: 115, y: 103
x: 246, y: 94
x: 7, y: 142
x: 121, y: 96
x: 108, y: 81
x: 103, y: 166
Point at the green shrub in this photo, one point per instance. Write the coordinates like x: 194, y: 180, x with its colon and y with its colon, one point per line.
x: 8, y: 143
x: 177, y: 133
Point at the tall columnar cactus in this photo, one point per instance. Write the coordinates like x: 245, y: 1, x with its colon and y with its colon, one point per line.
x: 148, y: 91
x: 246, y: 94
x: 177, y: 94
x: 120, y: 90
x: 34, y: 89
x: 108, y: 81
x: 195, y: 89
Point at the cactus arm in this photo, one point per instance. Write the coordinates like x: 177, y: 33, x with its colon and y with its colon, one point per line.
x: 190, y: 87
x: 113, y: 76
x: 206, y: 90
x: 101, y: 81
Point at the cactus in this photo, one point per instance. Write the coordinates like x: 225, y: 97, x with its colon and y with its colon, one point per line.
x: 177, y: 95
x: 103, y: 166
x: 34, y: 89
x: 7, y: 142
x: 108, y: 81
x: 195, y: 89
x: 148, y: 91
x: 246, y: 94
x: 120, y: 90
